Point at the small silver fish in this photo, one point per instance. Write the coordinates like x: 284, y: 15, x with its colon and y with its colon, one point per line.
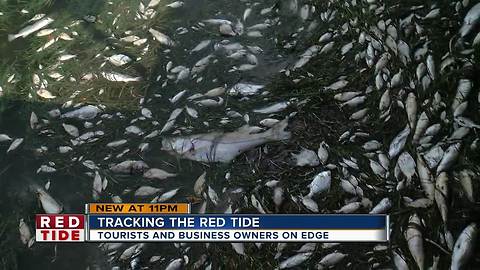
x: 31, y: 28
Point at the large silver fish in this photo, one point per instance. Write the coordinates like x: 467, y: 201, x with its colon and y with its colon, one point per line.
x: 31, y: 28
x: 222, y: 147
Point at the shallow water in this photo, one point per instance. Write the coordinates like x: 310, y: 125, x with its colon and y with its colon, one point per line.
x: 320, y: 118
x: 69, y: 184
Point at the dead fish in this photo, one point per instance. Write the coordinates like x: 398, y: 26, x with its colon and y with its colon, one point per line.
x: 31, y: 28
x: 461, y: 108
x: 330, y: 260
x: 44, y: 93
x: 147, y: 113
x: 425, y: 178
x: 382, y: 62
x: 244, y: 89
x: 337, y: 85
x: 239, y: 248
x: 354, y: 101
x: 397, y: 79
x: 202, y: 45
x: 464, y: 247
x: 71, y: 130
x: 222, y: 147
x: 415, y: 240
x: 348, y: 187
x: 162, y: 38
x: 328, y: 47
x: 320, y: 183
x: 192, y: 112
x: 46, y: 169
x: 66, y: 57
x: 371, y: 145
x: 470, y: 20
x: 84, y: 113
x: 399, y: 261
x: 358, y: 115
x: 117, y: 143
x: 15, y: 144
x: 431, y: 66
x: 441, y: 194
x: 434, y: 13
x: 397, y: 144
x: 463, y: 90
x: 382, y: 207
x: 33, y: 121
x: 407, y: 165
x: 171, y: 120
x: 118, y: 77
x: 269, y: 122
x: 349, y: 208
x: 256, y: 203
x: 323, y: 152
x: 176, y: 4
x: 153, y: 3
x: 434, y: 156
x: 418, y: 203
x: 199, y: 185
x: 310, y: 204
x: 210, y: 102
x: 227, y: 30
x: 134, y: 130
x: 247, y: 13
x: 404, y: 52
x: 295, y: 260
x: 466, y: 182
x: 217, y: 91
x: 378, y: 169
x: 158, y: 174
x: 411, y: 108
x: 130, y: 252
x: 145, y: 191
x: 275, y: 108
x: 306, y: 157
x: 201, y: 64
x: 325, y: 37
x: 346, y: 96
x: 25, y: 233
x: 212, y: 194
x: 449, y: 158
x: 168, y: 195
x: 178, y: 96
x: 465, y: 124
x: 422, y: 125
x: 119, y: 59
x: 129, y: 167
x: 384, y: 100
x: 5, y: 138
x: 49, y: 204
x: 175, y: 264
x: 278, y: 195
x: 97, y: 186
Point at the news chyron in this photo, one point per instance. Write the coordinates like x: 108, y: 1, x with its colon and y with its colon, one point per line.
x: 173, y: 222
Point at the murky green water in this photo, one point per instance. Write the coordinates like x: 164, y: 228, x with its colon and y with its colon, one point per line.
x: 269, y: 54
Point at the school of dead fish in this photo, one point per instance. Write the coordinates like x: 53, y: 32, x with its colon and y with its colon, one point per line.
x: 396, y: 54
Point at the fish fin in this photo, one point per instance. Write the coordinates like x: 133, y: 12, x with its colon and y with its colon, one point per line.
x: 11, y: 37
x: 278, y: 132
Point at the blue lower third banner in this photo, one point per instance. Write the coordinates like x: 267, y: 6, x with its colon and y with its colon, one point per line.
x: 237, y: 228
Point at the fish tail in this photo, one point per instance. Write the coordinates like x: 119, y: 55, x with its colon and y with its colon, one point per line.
x: 278, y: 132
x: 11, y: 37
